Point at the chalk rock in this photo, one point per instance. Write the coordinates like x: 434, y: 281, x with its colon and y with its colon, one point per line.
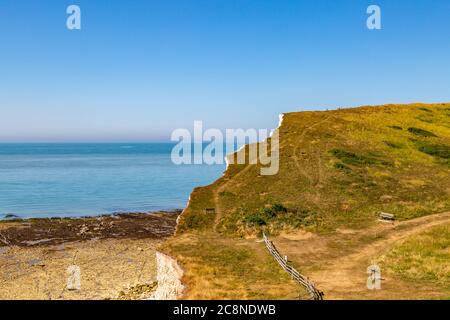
x: 169, y: 275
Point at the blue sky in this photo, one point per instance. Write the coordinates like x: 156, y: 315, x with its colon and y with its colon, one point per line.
x: 139, y: 69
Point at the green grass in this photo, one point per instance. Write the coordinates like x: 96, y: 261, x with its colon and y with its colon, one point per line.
x: 395, y: 127
x: 437, y: 150
x: 424, y: 257
x: 224, y: 268
x: 255, y: 219
x: 393, y: 145
x: 338, y: 169
x: 196, y: 215
x: 341, y: 166
x: 277, y: 217
x: 351, y: 158
x: 421, y: 132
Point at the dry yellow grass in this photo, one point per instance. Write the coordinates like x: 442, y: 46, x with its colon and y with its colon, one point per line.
x: 424, y: 259
x: 228, y: 268
x: 338, y: 169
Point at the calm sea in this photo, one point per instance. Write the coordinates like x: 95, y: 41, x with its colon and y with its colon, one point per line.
x: 70, y: 180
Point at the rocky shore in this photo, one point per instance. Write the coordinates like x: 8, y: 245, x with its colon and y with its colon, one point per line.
x: 115, y: 256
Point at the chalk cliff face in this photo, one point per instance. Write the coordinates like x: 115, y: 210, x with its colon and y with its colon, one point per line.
x: 169, y: 276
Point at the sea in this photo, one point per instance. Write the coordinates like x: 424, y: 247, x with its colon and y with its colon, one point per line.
x: 87, y: 179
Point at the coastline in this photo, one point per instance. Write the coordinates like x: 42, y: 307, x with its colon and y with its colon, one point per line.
x: 121, y: 232
x: 133, y: 225
x: 178, y: 287
x: 214, y: 258
x: 115, y: 253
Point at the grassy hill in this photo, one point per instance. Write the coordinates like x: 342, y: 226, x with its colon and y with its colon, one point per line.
x: 338, y: 169
x: 423, y: 258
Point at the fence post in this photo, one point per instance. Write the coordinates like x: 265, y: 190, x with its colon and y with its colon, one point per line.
x: 283, y: 262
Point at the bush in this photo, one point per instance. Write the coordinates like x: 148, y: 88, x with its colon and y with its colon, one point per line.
x: 393, y: 145
x: 421, y: 132
x: 265, y: 215
x: 341, y: 166
x: 437, y: 150
x: 278, y: 207
x: 255, y: 219
x: 195, y: 221
x: 352, y: 158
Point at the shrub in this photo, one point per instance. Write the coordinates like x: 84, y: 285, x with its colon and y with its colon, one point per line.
x: 195, y: 221
x: 341, y: 166
x: 393, y: 145
x: 278, y: 207
x: 268, y: 212
x: 255, y: 219
x: 352, y: 158
x: 265, y: 215
x: 437, y: 150
x: 421, y: 132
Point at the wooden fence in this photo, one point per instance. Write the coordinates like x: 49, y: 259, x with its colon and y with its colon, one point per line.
x: 301, y: 279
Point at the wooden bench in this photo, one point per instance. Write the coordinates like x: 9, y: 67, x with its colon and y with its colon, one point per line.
x: 387, y: 216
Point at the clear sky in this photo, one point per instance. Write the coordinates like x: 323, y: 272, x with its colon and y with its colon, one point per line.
x: 139, y: 69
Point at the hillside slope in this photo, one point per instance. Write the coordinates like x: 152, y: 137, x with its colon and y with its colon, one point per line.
x: 338, y: 170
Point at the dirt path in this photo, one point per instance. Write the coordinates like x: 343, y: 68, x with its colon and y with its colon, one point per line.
x: 346, y: 276
x: 338, y: 263
x: 222, y: 187
x: 297, y: 145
